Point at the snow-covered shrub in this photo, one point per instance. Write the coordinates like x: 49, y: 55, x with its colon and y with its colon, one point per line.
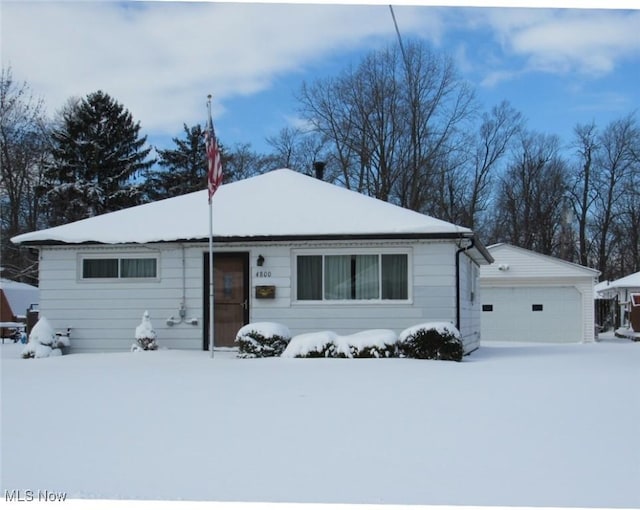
x: 431, y: 340
x: 145, y: 335
x: 262, y: 340
x: 315, y: 345
x: 374, y: 343
x: 44, y: 342
x: 377, y: 343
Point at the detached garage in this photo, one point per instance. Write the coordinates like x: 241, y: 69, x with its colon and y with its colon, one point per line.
x: 529, y: 297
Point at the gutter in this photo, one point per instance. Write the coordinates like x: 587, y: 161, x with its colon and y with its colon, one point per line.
x: 265, y: 238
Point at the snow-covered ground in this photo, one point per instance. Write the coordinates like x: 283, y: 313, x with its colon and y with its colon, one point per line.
x: 515, y: 425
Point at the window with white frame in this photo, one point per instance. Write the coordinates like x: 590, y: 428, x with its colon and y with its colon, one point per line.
x: 119, y: 267
x: 353, y: 277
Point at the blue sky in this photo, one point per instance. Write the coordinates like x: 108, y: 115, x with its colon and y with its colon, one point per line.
x: 558, y: 67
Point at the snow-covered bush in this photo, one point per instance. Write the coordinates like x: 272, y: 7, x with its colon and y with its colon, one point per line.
x: 314, y: 345
x: 431, y: 340
x: 145, y: 335
x: 374, y: 343
x: 262, y: 340
x: 377, y: 343
x: 44, y: 342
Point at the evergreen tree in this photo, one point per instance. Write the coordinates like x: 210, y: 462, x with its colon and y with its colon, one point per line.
x: 96, y: 154
x: 184, y: 169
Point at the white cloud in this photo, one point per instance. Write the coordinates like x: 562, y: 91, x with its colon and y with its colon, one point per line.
x: 590, y: 42
x: 161, y: 59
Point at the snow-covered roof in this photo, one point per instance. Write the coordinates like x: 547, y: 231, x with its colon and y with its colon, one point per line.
x: 281, y: 203
x: 515, y: 262
x: 627, y: 282
x: 602, y: 290
x: 19, y: 295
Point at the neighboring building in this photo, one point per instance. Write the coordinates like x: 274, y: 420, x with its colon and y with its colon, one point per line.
x: 529, y: 297
x: 15, y: 299
x: 287, y: 248
x: 626, y: 292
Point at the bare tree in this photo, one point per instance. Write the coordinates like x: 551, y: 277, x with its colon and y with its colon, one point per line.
x: 241, y: 162
x: 488, y: 148
x: 296, y: 149
x: 531, y: 196
x: 394, y: 126
x: 582, y: 190
x: 616, y: 165
x: 23, y: 152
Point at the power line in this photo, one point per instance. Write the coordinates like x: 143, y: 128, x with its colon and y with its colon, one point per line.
x: 404, y: 55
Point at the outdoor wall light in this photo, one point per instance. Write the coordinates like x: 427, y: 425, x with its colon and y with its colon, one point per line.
x: 260, y: 260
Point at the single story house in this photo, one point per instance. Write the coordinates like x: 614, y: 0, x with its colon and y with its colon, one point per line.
x: 288, y: 248
x: 529, y: 297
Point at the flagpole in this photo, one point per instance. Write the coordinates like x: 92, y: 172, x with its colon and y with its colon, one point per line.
x: 211, y: 274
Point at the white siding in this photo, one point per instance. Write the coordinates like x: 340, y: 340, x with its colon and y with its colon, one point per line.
x: 432, y: 293
x: 526, y: 269
x: 103, y: 315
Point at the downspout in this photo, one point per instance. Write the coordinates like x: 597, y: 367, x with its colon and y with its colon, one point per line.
x: 458, y: 253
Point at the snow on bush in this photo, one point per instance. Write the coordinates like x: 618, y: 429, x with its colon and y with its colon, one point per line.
x: 262, y: 340
x: 377, y: 343
x: 145, y: 335
x: 312, y: 345
x: 431, y: 340
x: 43, y: 341
x: 373, y: 343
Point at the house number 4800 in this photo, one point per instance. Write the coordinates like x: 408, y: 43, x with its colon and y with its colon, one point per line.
x: 263, y: 274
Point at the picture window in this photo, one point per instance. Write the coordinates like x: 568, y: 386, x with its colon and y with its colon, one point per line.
x: 353, y: 277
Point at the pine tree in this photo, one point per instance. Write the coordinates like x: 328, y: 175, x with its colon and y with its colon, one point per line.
x: 96, y: 154
x: 184, y: 169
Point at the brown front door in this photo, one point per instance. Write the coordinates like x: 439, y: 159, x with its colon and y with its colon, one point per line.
x: 231, y: 297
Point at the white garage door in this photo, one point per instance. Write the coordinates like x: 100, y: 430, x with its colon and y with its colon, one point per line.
x: 531, y: 314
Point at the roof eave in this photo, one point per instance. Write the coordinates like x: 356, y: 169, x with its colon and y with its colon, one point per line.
x: 269, y: 238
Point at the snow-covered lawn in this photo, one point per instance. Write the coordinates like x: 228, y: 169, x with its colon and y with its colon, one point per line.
x: 546, y: 425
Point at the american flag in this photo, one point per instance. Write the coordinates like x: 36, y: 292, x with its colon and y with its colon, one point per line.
x: 214, y: 173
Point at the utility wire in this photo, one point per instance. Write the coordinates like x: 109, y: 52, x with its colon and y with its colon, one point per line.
x: 404, y: 55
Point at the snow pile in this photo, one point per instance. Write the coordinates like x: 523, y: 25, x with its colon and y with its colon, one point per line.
x: 145, y: 335
x: 375, y: 343
x: 44, y: 342
x: 519, y: 426
x: 262, y: 340
x: 431, y: 340
x: 628, y: 333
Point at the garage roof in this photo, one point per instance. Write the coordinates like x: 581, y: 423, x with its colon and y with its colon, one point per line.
x: 515, y: 262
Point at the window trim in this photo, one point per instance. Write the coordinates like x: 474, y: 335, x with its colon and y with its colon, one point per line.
x: 119, y: 257
x: 349, y: 252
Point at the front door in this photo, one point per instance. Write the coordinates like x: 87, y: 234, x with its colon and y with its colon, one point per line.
x: 231, y: 297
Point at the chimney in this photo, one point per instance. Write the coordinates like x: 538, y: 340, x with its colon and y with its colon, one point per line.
x: 318, y: 167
